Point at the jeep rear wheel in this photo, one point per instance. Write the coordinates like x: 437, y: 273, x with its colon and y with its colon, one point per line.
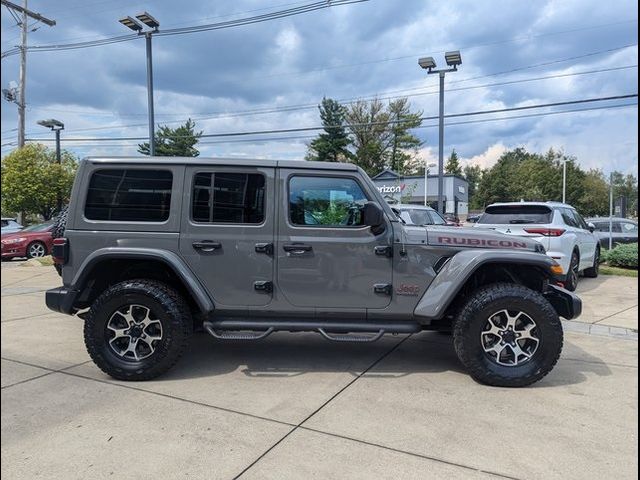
x: 137, y: 329
x: 508, y: 335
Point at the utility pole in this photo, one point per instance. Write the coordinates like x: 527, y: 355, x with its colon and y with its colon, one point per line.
x: 23, y: 76
x: 25, y: 14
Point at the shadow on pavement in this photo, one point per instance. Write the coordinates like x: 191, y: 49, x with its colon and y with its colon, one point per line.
x: 289, y: 355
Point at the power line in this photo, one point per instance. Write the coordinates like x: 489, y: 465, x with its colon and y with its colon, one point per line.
x: 290, y: 108
x: 434, y: 125
x: 194, y: 29
x: 306, y: 129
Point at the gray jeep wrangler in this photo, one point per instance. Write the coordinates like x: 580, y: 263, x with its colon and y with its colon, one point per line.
x: 157, y: 247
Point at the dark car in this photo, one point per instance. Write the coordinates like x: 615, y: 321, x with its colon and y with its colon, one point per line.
x: 31, y: 242
x: 623, y: 230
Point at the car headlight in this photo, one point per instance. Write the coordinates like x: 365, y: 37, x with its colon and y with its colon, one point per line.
x: 11, y: 241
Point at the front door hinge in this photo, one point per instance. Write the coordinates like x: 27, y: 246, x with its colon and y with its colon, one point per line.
x: 263, y: 286
x: 384, y: 288
x: 383, y: 250
x: 264, y: 248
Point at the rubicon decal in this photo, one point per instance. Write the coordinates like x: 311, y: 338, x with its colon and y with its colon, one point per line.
x: 481, y: 242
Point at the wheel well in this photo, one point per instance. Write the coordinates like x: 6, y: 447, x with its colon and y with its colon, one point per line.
x: 112, y: 271
x: 530, y: 276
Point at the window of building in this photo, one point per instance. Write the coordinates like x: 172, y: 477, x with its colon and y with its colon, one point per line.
x: 129, y: 195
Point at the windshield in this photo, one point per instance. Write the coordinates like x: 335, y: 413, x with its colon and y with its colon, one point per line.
x: 516, y: 214
x: 41, y: 227
x: 421, y: 216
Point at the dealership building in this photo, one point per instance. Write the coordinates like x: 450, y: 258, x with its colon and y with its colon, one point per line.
x: 396, y: 188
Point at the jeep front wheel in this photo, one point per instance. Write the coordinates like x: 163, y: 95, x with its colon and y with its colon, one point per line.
x: 137, y: 329
x: 508, y: 335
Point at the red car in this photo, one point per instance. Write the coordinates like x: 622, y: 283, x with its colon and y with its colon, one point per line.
x: 31, y: 242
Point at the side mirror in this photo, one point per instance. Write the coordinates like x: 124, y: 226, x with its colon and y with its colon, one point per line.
x: 592, y: 227
x: 372, y: 216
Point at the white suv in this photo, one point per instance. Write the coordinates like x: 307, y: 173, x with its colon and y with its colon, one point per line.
x: 562, y: 231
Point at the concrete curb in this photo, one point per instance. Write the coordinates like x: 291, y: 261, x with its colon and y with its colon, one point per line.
x: 600, y: 330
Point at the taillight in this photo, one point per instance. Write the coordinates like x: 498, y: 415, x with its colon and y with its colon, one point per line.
x: 60, y: 251
x: 546, y: 232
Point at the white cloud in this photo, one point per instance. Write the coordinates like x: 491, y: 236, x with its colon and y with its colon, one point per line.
x: 488, y: 158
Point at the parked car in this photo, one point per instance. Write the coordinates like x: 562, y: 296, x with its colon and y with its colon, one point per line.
x: 565, y: 235
x: 473, y: 218
x: 418, y: 214
x: 31, y: 242
x: 623, y: 230
x: 9, y: 225
x: 154, y: 247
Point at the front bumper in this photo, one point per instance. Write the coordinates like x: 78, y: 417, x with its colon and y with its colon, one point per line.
x: 61, y: 300
x: 567, y: 304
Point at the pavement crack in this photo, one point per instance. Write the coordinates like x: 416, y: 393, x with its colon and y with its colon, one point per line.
x: 614, y: 314
x: 299, y: 425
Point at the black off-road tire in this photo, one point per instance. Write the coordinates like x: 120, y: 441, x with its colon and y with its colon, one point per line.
x: 60, y: 223
x: 593, y: 272
x: 473, y: 317
x: 167, y: 306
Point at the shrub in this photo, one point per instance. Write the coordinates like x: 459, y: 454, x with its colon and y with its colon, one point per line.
x: 625, y: 256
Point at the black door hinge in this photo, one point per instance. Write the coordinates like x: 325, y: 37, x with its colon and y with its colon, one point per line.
x: 383, y: 250
x: 264, y: 248
x: 263, y: 286
x: 384, y: 288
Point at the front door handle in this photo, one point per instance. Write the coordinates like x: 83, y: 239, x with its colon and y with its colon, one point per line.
x: 207, y: 245
x: 297, y: 248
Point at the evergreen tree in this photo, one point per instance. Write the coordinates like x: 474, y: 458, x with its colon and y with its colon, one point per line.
x: 331, y: 146
x: 403, y: 146
x: 174, y: 142
x: 453, y: 166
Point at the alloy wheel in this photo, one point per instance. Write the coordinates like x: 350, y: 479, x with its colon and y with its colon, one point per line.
x: 134, y: 333
x: 510, y: 338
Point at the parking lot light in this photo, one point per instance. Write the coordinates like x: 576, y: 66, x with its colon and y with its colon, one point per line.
x: 453, y: 59
x: 131, y: 23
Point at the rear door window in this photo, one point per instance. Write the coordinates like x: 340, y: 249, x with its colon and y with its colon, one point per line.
x: 516, y: 214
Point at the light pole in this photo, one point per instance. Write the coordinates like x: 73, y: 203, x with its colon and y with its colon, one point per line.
x: 564, y: 181
x: 453, y: 59
x: 426, y: 179
x: 55, y: 126
x: 610, y: 210
x: 135, y: 25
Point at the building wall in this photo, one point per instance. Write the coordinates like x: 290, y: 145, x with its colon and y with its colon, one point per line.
x: 411, y: 190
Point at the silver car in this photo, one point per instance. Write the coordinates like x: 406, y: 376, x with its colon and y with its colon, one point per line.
x: 623, y: 230
x: 418, y: 214
x: 565, y: 235
x: 9, y: 225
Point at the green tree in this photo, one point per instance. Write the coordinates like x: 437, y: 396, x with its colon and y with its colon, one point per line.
x: 368, y: 124
x: 32, y: 180
x: 331, y: 146
x: 626, y: 186
x: 595, y: 199
x: 453, y: 166
x: 473, y: 175
x: 174, y: 142
x: 402, y: 148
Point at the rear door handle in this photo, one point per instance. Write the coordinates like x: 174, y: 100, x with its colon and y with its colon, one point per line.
x: 297, y: 248
x: 207, y: 245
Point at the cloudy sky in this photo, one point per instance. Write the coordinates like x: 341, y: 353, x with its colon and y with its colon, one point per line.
x: 269, y: 75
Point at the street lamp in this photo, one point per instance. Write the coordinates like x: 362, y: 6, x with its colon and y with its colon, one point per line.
x: 135, y: 25
x: 426, y: 179
x: 453, y: 60
x: 55, y: 126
